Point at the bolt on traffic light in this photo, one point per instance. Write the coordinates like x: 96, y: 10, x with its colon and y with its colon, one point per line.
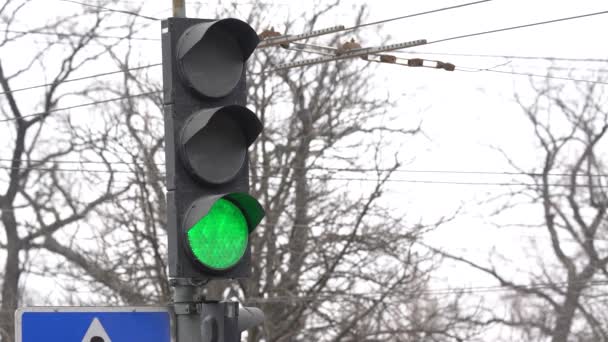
x: 208, y: 131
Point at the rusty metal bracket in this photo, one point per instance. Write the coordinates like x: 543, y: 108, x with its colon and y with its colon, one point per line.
x: 348, y: 46
x: 268, y: 33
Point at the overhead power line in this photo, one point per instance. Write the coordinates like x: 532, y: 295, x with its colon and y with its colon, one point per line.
x: 445, y: 291
x: 355, y: 27
x: 321, y: 60
x: 111, y: 9
x: 80, y: 105
x: 42, y: 31
x: 74, y: 161
x: 82, y: 78
x: 548, y: 58
x: 285, y: 39
x: 90, y: 76
x: 261, y: 45
x: 333, y: 178
x: 70, y: 34
x: 517, y: 27
x: 362, y: 51
x: 331, y: 52
x: 540, y: 76
x: 416, y: 181
x: 339, y: 169
x: 475, y: 69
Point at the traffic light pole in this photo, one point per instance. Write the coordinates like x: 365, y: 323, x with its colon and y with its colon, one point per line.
x: 179, y: 8
x: 208, y: 130
x: 200, y: 320
x: 187, y: 320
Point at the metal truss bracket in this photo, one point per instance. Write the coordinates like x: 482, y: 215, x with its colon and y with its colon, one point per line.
x: 185, y: 308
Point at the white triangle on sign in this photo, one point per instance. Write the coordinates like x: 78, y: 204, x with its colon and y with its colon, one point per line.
x: 96, y: 333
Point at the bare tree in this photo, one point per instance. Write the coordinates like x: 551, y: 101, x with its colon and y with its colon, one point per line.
x: 331, y: 260
x: 129, y: 264
x: 44, y: 201
x: 564, y: 301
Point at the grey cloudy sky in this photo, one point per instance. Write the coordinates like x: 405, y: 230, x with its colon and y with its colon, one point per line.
x: 464, y: 113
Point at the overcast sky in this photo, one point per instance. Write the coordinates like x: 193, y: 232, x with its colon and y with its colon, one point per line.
x: 464, y: 114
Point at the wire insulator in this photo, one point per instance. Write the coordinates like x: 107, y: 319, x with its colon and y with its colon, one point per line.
x: 445, y: 66
x: 415, y: 62
x: 388, y: 59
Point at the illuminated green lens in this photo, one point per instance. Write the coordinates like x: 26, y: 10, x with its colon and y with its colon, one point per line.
x: 219, y: 239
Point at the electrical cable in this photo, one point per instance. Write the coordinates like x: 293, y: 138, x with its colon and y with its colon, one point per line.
x: 444, y: 291
x: 516, y: 27
x: 112, y: 10
x: 538, y: 75
x: 82, y: 78
x: 80, y: 105
x: 357, y: 52
x: 157, y: 39
x: 341, y: 169
x: 470, y: 69
x: 417, y: 181
x: 549, y: 58
x: 63, y: 34
x: 536, y: 67
x: 285, y: 39
x: 333, y: 178
x: 90, y: 76
x: 355, y: 27
x: 435, y: 291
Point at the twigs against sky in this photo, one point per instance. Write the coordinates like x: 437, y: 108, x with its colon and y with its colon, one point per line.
x: 88, y: 104
x: 84, y: 77
x: 111, y: 9
x: 517, y: 27
x: 469, y: 35
x: 347, y: 169
x: 547, y: 58
x: 273, y: 41
x: 360, y: 179
x: 292, y: 65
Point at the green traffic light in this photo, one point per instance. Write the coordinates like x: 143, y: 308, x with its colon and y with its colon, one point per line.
x: 219, y: 239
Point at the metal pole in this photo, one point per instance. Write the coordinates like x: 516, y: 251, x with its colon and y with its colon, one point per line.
x: 179, y: 8
x: 200, y: 320
x: 187, y: 320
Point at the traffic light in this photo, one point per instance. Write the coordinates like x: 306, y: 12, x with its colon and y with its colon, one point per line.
x: 208, y: 131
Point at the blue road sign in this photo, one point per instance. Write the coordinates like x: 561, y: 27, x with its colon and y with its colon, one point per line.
x: 93, y: 324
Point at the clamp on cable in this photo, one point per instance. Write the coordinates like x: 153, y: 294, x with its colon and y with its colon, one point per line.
x: 348, y: 46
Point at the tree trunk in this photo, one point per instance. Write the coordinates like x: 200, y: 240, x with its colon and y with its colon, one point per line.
x: 10, y: 284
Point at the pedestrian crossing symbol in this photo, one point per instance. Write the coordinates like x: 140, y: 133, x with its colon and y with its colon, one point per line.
x: 96, y: 333
x: 93, y: 324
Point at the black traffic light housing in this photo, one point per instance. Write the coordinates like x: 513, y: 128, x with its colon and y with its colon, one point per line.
x: 231, y: 42
x: 220, y: 137
x: 207, y: 132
